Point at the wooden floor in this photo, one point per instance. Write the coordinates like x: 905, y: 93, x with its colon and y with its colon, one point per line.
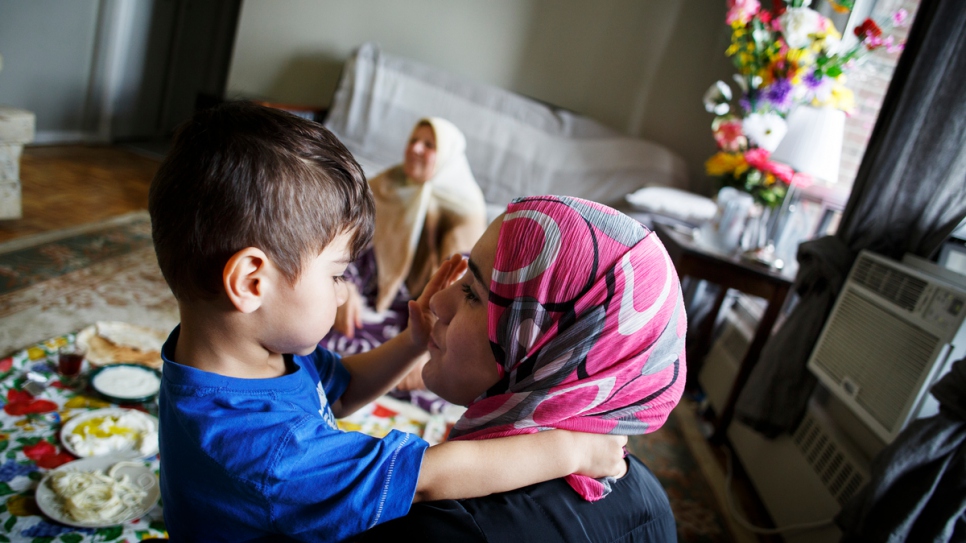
x: 66, y: 186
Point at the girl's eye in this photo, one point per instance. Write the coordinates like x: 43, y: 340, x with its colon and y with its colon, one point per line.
x: 468, y: 293
x: 339, y: 278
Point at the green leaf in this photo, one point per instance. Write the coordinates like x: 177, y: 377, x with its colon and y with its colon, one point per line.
x: 35, y: 475
x: 4, y: 444
x: 5, y: 489
x: 110, y: 533
x: 71, y: 538
x: 4, y: 539
x: 29, y: 440
x: 158, y: 525
x: 8, y: 526
x: 41, y: 540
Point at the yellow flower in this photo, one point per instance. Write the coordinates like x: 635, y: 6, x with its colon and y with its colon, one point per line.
x: 843, y: 98
x: 36, y: 353
x: 722, y: 163
x: 56, y: 343
x: 25, y: 424
x: 22, y: 506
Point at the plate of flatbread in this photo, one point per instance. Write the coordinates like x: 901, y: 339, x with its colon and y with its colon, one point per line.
x: 111, y: 342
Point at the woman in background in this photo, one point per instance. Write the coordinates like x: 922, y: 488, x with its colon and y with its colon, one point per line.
x: 571, y: 317
x: 427, y: 208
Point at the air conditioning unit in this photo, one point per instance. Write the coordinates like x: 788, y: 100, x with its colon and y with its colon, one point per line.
x: 894, y: 330
x: 900, y: 322
x: 803, y: 477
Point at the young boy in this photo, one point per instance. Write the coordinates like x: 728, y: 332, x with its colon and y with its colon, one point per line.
x: 255, y: 215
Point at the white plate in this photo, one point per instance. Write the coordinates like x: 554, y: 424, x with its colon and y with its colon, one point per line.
x: 127, y: 452
x: 141, y: 476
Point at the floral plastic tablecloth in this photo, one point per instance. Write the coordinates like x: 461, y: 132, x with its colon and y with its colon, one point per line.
x: 30, y: 446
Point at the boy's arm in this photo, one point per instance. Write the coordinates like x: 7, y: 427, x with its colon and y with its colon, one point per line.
x: 374, y: 372
x: 468, y: 469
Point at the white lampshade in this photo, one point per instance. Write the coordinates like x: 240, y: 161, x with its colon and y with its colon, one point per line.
x: 813, y: 143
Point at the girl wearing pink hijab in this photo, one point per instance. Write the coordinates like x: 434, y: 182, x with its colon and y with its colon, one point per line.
x: 571, y: 317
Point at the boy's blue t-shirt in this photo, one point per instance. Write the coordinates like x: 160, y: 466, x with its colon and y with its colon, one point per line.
x: 263, y: 460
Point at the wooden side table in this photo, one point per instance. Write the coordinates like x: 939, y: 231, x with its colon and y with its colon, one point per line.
x: 16, y: 129
x: 729, y: 271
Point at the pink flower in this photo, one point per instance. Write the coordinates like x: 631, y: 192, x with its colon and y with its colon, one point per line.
x: 802, y: 180
x: 741, y: 11
x: 729, y: 137
x: 759, y: 159
x: 900, y: 17
x: 873, y: 42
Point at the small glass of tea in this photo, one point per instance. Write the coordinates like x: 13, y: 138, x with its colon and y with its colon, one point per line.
x: 70, y: 361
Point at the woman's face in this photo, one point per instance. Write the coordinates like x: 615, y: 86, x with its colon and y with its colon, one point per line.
x: 461, y: 366
x: 420, y: 158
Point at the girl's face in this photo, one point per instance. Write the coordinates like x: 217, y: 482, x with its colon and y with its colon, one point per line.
x: 461, y: 366
x: 420, y: 160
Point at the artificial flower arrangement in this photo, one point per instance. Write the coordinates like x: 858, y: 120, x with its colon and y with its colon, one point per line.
x: 787, y: 56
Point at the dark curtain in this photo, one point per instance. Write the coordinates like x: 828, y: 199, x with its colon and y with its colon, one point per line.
x: 917, y: 485
x: 909, y: 195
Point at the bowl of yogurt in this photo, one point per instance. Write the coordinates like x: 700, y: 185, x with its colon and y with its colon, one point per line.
x: 111, y: 431
x: 126, y: 383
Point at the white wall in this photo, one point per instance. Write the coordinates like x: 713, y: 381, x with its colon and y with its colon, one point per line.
x: 48, y: 56
x: 640, y: 66
x: 81, y: 66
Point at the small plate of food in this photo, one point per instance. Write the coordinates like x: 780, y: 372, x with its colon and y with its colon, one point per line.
x: 126, y: 383
x: 110, y: 342
x: 98, y: 492
x: 113, y: 431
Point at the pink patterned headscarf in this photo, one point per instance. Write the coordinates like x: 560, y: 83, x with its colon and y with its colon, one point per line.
x: 587, y: 322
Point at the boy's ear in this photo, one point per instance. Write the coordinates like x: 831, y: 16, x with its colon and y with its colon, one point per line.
x: 245, y: 278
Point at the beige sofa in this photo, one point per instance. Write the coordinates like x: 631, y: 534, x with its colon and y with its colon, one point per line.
x: 516, y: 146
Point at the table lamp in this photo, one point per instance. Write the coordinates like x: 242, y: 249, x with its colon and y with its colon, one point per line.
x: 813, y: 148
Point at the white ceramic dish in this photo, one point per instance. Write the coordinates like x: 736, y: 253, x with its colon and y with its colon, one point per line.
x: 126, y: 383
x: 129, y: 449
x: 141, y: 476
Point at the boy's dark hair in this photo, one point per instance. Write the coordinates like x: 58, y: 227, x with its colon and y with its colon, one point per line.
x: 242, y: 175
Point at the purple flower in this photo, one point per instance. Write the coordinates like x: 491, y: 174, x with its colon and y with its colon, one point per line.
x: 812, y: 82
x: 46, y: 529
x: 745, y: 104
x: 11, y: 470
x: 779, y: 94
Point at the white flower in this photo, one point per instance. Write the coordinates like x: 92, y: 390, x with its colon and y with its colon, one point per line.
x: 765, y: 129
x: 797, y: 24
x: 742, y: 84
x: 717, y: 97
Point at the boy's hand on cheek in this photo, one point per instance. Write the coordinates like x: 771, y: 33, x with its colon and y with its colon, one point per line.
x: 421, y: 319
x: 600, y: 455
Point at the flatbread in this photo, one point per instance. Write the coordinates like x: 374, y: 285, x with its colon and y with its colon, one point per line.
x: 113, y: 342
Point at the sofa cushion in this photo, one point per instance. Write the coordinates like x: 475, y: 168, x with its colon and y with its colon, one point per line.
x: 516, y: 146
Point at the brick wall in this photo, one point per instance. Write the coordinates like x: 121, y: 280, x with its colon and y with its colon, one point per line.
x: 869, y: 80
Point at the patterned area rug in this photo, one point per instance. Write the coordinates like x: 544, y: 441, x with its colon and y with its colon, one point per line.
x: 59, y: 283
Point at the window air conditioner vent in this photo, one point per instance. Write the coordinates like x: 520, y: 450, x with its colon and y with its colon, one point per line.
x: 837, y: 472
x: 877, y: 355
x: 900, y: 288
